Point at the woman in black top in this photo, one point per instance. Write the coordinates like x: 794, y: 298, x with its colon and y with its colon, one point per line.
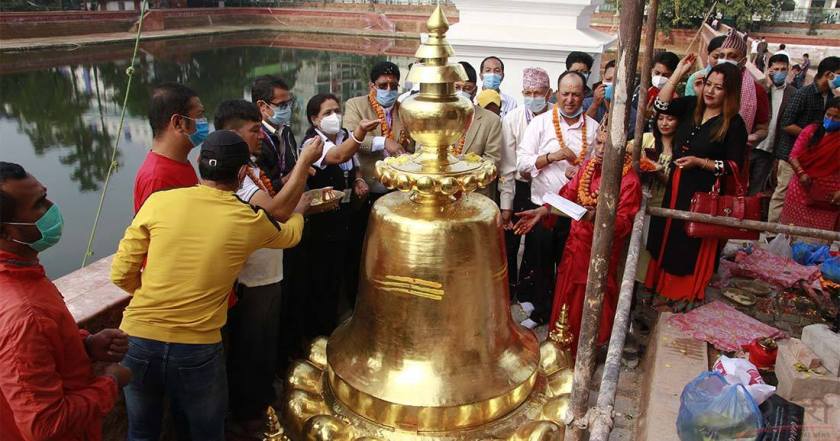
x: 326, y: 236
x: 710, y: 133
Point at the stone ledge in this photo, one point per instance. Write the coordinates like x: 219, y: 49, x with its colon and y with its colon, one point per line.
x: 672, y: 360
x: 92, y: 299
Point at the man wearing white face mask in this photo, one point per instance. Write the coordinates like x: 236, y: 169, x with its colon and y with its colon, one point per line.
x: 514, y: 188
x: 554, y: 141
x: 755, y: 105
x: 492, y: 73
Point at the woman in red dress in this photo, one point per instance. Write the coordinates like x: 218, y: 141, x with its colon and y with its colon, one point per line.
x: 816, y: 161
x: 572, y: 273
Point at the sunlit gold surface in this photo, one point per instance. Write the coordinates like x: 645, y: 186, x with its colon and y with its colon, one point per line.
x: 555, y: 352
x: 273, y: 430
x: 431, y: 351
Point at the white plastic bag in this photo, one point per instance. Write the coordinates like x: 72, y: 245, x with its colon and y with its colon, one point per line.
x: 780, y: 246
x: 740, y: 371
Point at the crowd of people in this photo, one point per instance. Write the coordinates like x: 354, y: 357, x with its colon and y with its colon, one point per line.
x: 229, y: 274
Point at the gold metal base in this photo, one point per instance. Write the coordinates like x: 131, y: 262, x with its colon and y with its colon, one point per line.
x: 314, y: 413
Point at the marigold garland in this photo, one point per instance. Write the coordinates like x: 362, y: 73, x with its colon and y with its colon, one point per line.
x: 383, y: 121
x: 559, y: 134
x: 459, y: 148
x: 586, y: 196
x: 262, y: 181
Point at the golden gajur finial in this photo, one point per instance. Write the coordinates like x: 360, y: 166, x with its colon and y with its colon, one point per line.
x: 560, y: 334
x: 436, y: 118
x: 273, y: 430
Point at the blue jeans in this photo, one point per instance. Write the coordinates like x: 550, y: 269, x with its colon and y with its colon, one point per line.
x: 191, y: 376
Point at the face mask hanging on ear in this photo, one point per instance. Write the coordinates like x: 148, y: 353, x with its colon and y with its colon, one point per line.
x: 49, y: 225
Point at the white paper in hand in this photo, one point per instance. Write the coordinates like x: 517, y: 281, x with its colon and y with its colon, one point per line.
x: 565, y: 206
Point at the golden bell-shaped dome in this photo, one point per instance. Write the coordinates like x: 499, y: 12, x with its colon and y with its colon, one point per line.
x: 431, y: 351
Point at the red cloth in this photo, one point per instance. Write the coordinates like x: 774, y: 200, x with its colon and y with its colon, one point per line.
x: 723, y: 326
x: 821, y: 160
x: 795, y: 210
x: 574, y: 267
x: 161, y: 173
x: 47, y: 386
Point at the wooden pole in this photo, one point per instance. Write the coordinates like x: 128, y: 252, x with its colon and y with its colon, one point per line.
x: 746, y: 224
x: 602, y: 421
x: 630, y: 32
x: 647, y: 66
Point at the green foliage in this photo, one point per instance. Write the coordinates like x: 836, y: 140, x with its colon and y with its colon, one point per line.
x: 744, y: 12
x: 788, y: 5
x: 690, y: 13
x: 681, y: 13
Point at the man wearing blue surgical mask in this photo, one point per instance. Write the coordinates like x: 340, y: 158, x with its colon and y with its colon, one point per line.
x: 492, y: 72
x: 581, y: 62
x: 178, y: 125
x: 514, y: 187
x: 763, y: 155
x: 388, y: 138
x: 279, y: 151
x: 48, y: 388
x: 596, y: 106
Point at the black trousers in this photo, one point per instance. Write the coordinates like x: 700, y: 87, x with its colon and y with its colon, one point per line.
x: 358, y: 230
x: 253, y: 335
x: 761, y: 164
x: 543, y: 251
x: 521, y: 202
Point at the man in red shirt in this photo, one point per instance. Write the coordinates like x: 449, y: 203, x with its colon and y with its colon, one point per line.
x: 178, y: 124
x: 48, y: 389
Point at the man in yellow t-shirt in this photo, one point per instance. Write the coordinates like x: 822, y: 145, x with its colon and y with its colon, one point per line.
x: 194, y: 242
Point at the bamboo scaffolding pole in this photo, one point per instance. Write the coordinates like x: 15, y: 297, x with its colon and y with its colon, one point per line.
x: 630, y: 33
x: 602, y: 421
x: 647, y: 66
x: 746, y: 224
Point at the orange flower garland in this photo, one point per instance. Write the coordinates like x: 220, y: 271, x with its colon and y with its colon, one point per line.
x: 457, y: 150
x: 383, y: 121
x: 262, y: 181
x: 586, y: 196
x: 559, y: 134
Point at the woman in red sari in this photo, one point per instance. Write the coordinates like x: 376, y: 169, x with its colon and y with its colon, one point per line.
x: 572, y: 273
x: 816, y: 161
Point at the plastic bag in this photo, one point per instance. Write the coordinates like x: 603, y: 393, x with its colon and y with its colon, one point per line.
x: 782, y: 420
x: 780, y: 246
x: 740, y: 371
x: 711, y: 408
x: 830, y: 269
x: 809, y: 254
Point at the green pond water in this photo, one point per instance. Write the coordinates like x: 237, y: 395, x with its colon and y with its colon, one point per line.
x: 59, y: 115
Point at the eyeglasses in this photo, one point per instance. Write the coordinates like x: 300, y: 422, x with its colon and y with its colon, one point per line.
x: 283, y: 105
x: 387, y: 86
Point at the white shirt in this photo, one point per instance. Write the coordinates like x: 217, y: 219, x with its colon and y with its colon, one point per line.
x: 513, y: 130
x: 378, y: 142
x: 329, y: 145
x: 540, y: 139
x: 264, y: 266
x: 768, y: 144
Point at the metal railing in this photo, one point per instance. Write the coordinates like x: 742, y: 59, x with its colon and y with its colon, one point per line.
x: 123, y: 5
x: 810, y: 15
